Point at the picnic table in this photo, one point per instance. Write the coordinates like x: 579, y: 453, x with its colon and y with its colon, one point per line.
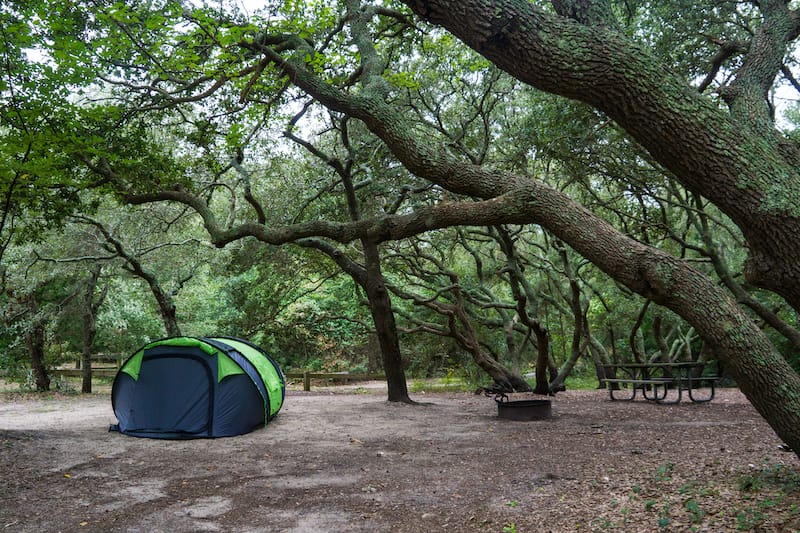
x: 662, y: 383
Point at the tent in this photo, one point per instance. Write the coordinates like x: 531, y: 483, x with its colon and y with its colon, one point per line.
x: 186, y: 388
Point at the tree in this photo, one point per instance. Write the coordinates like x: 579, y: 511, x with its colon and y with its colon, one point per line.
x: 429, y: 283
x: 133, y: 264
x: 651, y: 105
x: 90, y: 307
x: 367, y: 274
x: 35, y: 336
x: 39, y: 186
x: 30, y: 311
x: 734, y: 156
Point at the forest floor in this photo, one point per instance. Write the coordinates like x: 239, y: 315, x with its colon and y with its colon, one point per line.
x: 343, y: 459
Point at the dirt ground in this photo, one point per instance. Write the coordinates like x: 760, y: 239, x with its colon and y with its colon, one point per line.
x: 344, y: 459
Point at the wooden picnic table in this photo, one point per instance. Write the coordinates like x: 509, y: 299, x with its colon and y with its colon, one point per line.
x: 662, y: 383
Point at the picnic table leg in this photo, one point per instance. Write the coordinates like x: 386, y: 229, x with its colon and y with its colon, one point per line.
x: 659, y: 391
x: 611, y: 393
x: 701, y: 400
x: 679, y: 385
x: 664, y: 399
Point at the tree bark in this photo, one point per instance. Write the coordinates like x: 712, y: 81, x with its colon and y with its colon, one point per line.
x: 542, y: 358
x: 35, y: 342
x: 663, y: 350
x: 380, y: 306
x: 91, y: 306
x: 635, y: 339
x: 599, y: 355
x: 166, y: 307
x: 730, y: 158
x: 503, y: 378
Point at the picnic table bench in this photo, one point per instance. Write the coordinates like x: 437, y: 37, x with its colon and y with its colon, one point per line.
x: 662, y: 383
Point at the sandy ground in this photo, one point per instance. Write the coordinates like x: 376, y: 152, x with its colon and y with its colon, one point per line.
x: 350, y: 461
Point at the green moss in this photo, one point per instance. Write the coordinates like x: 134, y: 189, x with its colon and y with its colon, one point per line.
x: 664, y: 273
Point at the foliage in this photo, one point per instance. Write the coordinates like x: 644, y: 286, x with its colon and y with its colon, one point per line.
x: 127, y: 320
x: 304, y: 318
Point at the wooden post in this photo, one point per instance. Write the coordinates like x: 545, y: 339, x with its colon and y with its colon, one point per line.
x: 306, y: 380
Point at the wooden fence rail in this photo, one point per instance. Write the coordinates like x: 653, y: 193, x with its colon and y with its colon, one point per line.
x: 334, y: 376
x: 306, y: 376
x: 102, y: 360
x: 104, y: 372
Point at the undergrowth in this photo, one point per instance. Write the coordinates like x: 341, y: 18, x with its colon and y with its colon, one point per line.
x: 756, y: 498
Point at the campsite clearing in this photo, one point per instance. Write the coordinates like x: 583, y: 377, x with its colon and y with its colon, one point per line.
x: 350, y: 461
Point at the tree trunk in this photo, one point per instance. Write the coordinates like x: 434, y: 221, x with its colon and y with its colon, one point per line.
x: 374, y: 359
x: 525, y: 297
x: 513, y: 350
x: 612, y: 337
x: 542, y: 357
x: 35, y: 342
x: 371, y: 279
x: 663, y: 350
x: 635, y: 339
x: 90, y: 308
x: 88, y: 334
x: 166, y: 308
x: 599, y: 355
x: 503, y: 378
x: 579, y: 314
x: 380, y: 306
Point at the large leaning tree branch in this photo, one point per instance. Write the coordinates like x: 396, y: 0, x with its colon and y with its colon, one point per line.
x: 656, y: 275
x: 732, y: 158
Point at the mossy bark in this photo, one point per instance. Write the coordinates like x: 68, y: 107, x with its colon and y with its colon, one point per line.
x: 731, y: 158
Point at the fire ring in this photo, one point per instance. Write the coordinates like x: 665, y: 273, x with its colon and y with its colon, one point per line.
x: 523, y: 410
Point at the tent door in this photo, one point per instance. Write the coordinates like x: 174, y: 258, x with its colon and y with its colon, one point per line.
x: 174, y: 395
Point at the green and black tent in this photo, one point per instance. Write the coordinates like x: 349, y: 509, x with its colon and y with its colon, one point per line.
x: 186, y: 388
